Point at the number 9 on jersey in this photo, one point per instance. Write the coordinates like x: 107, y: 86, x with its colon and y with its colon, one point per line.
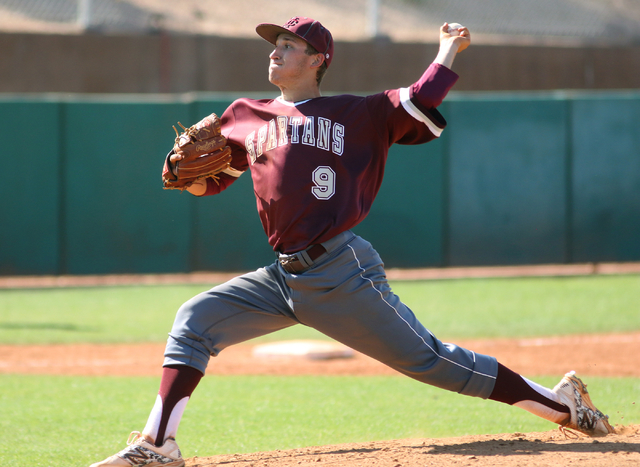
x: 324, y: 179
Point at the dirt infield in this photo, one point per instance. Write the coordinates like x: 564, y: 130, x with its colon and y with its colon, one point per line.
x: 595, y: 355
x: 589, y: 355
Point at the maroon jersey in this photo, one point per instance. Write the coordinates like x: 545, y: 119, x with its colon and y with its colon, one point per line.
x: 318, y: 164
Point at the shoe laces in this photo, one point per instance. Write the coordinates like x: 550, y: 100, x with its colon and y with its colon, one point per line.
x: 568, y: 434
x: 587, y: 417
x: 135, y: 437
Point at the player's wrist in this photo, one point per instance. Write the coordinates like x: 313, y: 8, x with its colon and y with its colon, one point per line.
x: 447, y: 53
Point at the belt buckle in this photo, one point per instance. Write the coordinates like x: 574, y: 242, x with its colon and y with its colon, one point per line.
x: 288, y: 263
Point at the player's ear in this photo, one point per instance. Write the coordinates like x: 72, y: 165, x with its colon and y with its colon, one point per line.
x: 317, y: 60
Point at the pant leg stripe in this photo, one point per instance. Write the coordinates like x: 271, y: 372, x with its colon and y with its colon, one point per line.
x: 355, y: 256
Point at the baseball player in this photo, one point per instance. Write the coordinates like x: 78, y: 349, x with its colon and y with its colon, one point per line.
x: 317, y: 164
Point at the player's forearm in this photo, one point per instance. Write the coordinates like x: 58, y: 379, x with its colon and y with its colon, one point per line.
x: 447, y: 54
x: 213, y: 187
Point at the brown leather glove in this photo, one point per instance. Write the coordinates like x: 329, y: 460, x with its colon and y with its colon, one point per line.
x: 202, y: 152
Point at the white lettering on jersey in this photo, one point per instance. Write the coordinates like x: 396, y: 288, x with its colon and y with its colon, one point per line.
x: 274, y: 134
x: 272, y: 140
x: 282, y: 131
x: 324, y: 128
x: 338, y: 139
x: 262, y: 138
x: 324, y: 179
x: 295, y: 123
x: 248, y: 144
x: 308, y: 135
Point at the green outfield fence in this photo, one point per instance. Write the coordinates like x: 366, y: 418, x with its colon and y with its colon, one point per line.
x: 516, y: 178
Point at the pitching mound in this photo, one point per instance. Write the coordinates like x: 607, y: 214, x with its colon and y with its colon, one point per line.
x: 515, y: 449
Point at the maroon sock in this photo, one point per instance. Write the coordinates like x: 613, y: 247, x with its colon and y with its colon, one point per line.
x: 511, y: 388
x: 178, y: 382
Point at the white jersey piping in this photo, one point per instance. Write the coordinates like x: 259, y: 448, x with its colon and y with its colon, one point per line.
x: 405, y: 100
x: 291, y: 104
x: 409, y: 325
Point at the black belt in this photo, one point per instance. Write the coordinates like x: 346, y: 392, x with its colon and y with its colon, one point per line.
x: 292, y: 263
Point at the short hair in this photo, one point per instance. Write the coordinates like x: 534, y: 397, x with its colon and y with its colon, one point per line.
x: 311, y: 50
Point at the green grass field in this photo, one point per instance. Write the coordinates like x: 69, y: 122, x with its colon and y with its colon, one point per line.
x: 74, y: 421
x: 510, y: 307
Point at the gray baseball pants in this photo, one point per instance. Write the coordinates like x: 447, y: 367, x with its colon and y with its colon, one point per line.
x: 343, y: 294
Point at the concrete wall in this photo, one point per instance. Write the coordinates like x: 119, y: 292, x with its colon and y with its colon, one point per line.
x: 162, y: 63
x: 516, y: 178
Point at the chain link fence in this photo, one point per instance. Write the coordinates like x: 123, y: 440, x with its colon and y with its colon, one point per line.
x: 86, y: 14
x: 589, y: 19
x: 581, y: 20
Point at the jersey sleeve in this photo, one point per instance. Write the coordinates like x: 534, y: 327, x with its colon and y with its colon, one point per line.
x: 432, y: 87
x: 409, y: 115
x: 239, y: 162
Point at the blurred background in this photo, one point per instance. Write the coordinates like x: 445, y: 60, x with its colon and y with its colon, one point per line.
x: 540, y: 162
x: 149, y: 46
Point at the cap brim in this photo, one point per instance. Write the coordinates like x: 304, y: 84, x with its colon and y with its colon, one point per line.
x: 270, y: 32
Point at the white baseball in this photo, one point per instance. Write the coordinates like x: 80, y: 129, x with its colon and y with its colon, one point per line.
x: 453, y: 29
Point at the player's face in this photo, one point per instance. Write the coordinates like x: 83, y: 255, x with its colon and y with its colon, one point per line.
x: 289, y: 63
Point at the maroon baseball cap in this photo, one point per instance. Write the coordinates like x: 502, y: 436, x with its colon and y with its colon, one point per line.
x: 306, y: 29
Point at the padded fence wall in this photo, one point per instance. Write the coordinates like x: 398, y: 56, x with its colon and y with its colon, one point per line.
x: 516, y: 178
